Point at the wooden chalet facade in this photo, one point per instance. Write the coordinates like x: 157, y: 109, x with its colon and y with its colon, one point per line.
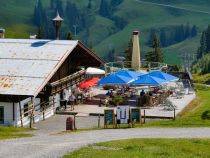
x: 35, y: 73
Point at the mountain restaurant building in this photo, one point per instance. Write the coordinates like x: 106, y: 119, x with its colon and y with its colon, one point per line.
x: 34, y: 75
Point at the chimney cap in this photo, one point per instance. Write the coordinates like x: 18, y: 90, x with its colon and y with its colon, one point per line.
x: 135, y: 32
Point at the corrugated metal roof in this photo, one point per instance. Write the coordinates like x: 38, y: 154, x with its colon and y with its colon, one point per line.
x: 26, y: 65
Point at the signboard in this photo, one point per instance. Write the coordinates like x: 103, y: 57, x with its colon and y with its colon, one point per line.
x: 109, y: 118
x: 136, y: 116
x: 123, y: 114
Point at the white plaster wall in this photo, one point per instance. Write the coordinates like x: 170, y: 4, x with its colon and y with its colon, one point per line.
x: 57, y: 100
x: 8, y: 110
x: 8, y: 113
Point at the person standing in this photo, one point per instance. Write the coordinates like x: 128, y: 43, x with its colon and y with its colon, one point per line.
x: 65, y: 99
x: 72, y: 99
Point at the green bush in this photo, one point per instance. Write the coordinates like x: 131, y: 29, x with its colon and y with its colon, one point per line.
x: 205, y: 115
x: 117, y: 99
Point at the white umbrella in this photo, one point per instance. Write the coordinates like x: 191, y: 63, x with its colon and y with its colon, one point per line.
x: 94, y: 71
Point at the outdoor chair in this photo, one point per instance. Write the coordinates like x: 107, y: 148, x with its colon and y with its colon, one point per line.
x: 104, y: 101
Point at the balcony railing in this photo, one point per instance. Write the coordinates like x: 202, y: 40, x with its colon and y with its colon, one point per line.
x: 146, y: 66
x: 66, y: 82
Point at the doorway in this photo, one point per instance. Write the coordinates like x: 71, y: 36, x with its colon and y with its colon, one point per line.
x: 1, y: 115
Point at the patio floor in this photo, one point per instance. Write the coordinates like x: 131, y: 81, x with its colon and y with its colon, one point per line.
x: 92, y: 107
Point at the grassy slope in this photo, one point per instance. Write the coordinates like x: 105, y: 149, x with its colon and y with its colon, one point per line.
x: 142, y: 19
x: 191, y: 115
x: 12, y: 132
x: 16, y: 18
x: 146, y: 148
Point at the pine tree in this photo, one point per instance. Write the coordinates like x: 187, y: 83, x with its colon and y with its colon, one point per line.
x: 203, y: 48
x: 111, y: 55
x: 89, y: 4
x: 151, y: 37
x: 194, y: 31
x: 182, y: 33
x: 208, y: 39
x: 59, y: 7
x: 156, y: 55
x: 104, y: 8
x: 150, y: 57
x: 40, y: 33
x: 115, y: 3
x: 52, y: 4
x: 38, y: 14
x: 129, y: 50
x: 157, y: 50
x: 69, y: 36
x: 163, y: 38
x: 187, y: 31
x: 72, y: 14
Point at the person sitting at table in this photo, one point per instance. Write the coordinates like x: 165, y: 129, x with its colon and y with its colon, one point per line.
x: 150, y: 93
x: 109, y: 93
x: 142, y: 93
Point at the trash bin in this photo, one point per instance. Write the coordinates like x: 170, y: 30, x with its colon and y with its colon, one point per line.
x: 69, y: 123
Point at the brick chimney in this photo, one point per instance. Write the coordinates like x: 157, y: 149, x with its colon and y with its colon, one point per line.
x: 136, y: 61
x: 2, y: 32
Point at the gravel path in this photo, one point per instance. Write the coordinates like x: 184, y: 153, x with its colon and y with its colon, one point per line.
x: 50, y: 146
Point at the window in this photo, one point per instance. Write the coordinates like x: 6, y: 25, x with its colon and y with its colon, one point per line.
x: 25, y: 110
x: 1, y: 115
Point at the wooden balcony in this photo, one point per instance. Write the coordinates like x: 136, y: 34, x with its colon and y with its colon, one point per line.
x: 66, y: 82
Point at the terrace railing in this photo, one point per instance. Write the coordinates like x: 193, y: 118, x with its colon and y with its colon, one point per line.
x: 146, y: 66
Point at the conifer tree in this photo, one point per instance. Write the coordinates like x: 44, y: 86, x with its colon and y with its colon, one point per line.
x: 111, y: 55
x: 129, y: 50
x: 115, y: 3
x: 163, y: 38
x: 156, y: 55
x: 194, y: 31
x: 89, y: 4
x: 38, y: 14
x: 72, y: 14
x: 52, y: 4
x: 104, y: 8
x: 203, y: 48
x: 59, y: 7
x: 187, y: 31
x: 151, y: 37
x: 208, y: 39
x: 69, y: 36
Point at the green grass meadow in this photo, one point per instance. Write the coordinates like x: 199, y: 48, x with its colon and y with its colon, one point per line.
x: 146, y: 148
x: 13, y: 132
x: 191, y: 116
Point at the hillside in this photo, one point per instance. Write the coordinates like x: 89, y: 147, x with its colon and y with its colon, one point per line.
x: 103, y: 33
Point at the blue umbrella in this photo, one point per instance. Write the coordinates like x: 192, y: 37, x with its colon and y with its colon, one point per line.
x: 163, y: 76
x: 128, y: 73
x: 115, y: 79
x: 148, y: 80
